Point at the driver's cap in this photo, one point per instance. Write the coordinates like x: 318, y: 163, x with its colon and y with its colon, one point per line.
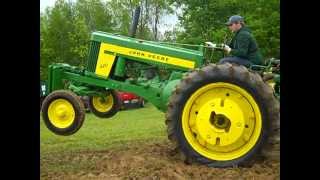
x: 233, y: 19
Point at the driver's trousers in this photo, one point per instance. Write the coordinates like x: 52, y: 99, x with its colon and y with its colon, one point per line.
x: 236, y: 60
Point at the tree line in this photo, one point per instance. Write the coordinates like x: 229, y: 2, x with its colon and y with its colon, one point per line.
x: 66, y: 27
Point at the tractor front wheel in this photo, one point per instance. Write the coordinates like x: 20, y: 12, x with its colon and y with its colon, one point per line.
x: 220, y: 115
x: 104, y: 107
x: 63, y: 112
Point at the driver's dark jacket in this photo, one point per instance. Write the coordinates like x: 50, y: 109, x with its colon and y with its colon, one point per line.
x: 244, y: 45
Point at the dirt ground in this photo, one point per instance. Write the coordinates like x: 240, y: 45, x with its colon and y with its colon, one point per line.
x: 145, y: 161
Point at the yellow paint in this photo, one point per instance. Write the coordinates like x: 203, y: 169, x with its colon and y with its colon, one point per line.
x: 105, y: 62
x: 103, y: 105
x: 61, y: 113
x: 214, y: 142
x: 148, y: 55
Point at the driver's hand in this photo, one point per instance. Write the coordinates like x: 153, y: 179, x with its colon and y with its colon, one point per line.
x: 226, y: 48
x: 210, y: 44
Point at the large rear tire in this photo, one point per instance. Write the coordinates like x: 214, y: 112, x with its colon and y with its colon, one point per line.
x: 63, y: 112
x: 221, y: 115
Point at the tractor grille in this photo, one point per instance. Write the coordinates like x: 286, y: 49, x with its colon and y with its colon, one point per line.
x: 93, y: 56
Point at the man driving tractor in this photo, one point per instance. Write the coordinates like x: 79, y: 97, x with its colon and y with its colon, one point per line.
x: 243, y: 48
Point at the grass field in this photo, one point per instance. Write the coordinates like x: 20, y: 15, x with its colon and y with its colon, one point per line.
x: 131, y: 145
x: 98, y: 134
x: 127, y: 128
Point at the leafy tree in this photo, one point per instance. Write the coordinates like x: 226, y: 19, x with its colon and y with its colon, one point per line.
x: 64, y: 37
x: 203, y: 20
x: 97, y: 15
x: 65, y: 28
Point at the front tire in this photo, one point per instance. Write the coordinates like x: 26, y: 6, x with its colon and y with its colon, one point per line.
x: 105, y: 107
x: 63, y: 112
x: 220, y: 115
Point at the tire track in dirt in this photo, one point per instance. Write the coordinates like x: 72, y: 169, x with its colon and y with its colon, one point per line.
x: 145, y: 161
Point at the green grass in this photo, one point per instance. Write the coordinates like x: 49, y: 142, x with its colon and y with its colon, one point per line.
x: 143, y: 124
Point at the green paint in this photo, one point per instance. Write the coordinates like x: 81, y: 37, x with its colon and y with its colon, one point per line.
x: 120, y: 67
x: 157, y: 91
x: 153, y: 47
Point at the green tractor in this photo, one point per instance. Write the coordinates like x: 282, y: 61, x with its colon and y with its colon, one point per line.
x: 217, y: 115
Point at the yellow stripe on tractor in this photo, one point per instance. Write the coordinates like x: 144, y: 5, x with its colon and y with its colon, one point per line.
x: 148, y: 55
x: 105, y: 62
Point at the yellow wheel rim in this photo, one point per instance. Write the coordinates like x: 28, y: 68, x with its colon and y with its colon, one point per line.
x: 61, y: 113
x: 221, y: 121
x: 102, y: 105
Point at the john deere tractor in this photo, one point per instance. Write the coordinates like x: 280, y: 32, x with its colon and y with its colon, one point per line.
x: 218, y: 115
